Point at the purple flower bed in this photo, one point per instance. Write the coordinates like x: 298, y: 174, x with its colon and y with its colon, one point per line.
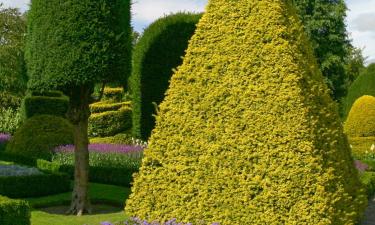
x: 361, y: 167
x: 4, y: 138
x: 105, y: 148
x: 136, y: 221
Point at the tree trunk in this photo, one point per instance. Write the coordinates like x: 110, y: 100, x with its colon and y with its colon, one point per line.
x: 78, y: 115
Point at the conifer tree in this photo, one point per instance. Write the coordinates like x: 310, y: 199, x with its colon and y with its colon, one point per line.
x: 248, y: 132
x: 324, y: 23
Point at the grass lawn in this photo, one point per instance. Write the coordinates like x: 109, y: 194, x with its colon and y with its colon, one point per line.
x: 99, y: 193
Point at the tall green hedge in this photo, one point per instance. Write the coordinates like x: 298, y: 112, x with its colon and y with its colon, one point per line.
x: 363, y: 85
x: 14, y: 212
x: 158, y: 52
x: 248, y: 132
x: 83, y: 42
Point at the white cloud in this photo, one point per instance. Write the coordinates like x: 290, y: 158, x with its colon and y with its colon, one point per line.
x: 147, y: 11
x: 21, y: 4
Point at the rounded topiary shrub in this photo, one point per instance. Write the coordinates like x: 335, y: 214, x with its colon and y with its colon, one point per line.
x: 363, y: 85
x: 39, y: 135
x: 361, y: 118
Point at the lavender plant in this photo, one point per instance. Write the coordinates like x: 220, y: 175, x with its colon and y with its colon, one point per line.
x: 4, y: 139
x: 137, y: 221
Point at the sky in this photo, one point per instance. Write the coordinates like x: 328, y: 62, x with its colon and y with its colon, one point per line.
x: 360, y: 20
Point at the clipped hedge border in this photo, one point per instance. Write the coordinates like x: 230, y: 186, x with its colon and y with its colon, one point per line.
x: 14, y: 212
x: 105, y: 175
x: 34, y: 185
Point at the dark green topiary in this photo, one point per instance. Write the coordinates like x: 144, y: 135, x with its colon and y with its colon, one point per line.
x: 82, y: 42
x: 157, y: 53
x: 248, y: 132
x: 39, y: 135
x: 363, y: 85
x: 50, y: 103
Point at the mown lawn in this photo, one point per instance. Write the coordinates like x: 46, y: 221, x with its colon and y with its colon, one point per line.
x: 99, y: 193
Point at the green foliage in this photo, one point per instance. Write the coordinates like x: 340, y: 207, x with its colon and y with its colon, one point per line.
x: 34, y: 185
x: 156, y: 54
x: 324, y: 22
x: 363, y: 85
x: 110, y: 122
x: 48, y: 103
x: 39, y: 135
x: 88, y: 42
x: 10, y: 120
x: 368, y: 180
x: 14, y: 212
x: 363, y: 147
x: 113, y: 94
x: 12, y: 73
x: 125, y: 139
x: 248, y: 132
x: 361, y: 119
x: 104, y: 106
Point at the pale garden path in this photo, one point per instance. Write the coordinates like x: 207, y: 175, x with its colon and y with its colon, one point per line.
x: 370, y: 213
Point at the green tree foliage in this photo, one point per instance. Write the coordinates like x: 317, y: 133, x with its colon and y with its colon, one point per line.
x: 71, y: 46
x: 363, y: 85
x: 157, y: 53
x: 248, y: 132
x: 324, y: 22
x: 12, y: 69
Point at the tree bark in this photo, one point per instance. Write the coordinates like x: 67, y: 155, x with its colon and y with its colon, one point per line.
x: 78, y: 114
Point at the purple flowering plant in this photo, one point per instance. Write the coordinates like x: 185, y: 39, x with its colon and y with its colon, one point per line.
x: 361, y: 167
x: 137, y: 221
x: 112, y: 155
x: 4, y: 138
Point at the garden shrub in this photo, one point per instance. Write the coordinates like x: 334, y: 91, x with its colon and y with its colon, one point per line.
x: 110, y: 122
x: 104, y: 106
x: 361, y: 119
x: 39, y: 135
x: 14, y: 212
x: 248, y: 132
x: 10, y: 120
x: 116, y: 139
x: 34, y: 185
x: 157, y: 53
x: 363, y: 85
x: 113, y: 94
x: 363, y: 147
x: 368, y: 180
x: 46, y: 103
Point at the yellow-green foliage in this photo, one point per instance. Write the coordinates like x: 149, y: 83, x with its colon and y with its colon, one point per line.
x: 104, y: 106
x: 361, y: 119
x: 114, y: 94
x: 124, y: 139
x: 363, y: 147
x: 248, y: 133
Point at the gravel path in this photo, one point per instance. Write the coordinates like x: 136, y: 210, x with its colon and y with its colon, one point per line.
x: 370, y: 213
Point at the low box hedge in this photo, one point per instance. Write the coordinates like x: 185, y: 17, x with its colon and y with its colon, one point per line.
x: 34, y: 185
x: 105, y: 106
x: 14, y: 212
x: 105, y: 175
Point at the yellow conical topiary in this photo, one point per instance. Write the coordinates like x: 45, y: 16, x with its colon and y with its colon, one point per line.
x: 248, y: 133
x: 361, y: 119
